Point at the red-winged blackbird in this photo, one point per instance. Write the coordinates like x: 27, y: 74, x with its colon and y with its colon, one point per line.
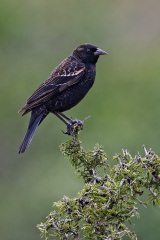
x: 67, y: 85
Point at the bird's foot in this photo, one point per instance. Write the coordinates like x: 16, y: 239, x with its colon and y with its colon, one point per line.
x: 70, y: 129
x: 75, y: 126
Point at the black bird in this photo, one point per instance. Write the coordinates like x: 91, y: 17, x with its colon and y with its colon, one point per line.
x: 66, y: 86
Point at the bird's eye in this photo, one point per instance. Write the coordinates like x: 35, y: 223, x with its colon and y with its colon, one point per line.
x: 89, y: 50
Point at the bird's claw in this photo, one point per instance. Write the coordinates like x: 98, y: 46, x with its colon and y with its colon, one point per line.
x: 74, y: 126
x: 70, y: 129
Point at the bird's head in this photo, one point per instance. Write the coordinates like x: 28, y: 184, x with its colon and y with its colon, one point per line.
x: 88, y: 53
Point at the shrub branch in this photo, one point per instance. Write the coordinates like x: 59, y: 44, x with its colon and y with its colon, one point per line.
x: 108, y: 200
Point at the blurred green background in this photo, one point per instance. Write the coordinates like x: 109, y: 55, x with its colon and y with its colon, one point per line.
x: 124, y: 102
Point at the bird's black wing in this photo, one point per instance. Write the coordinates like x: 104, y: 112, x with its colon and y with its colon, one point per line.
x: 68, y: 73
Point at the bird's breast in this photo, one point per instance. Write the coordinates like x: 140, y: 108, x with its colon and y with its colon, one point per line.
x: 73, y: 94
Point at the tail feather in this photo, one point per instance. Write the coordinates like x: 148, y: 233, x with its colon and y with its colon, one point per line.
x: 33, y: 124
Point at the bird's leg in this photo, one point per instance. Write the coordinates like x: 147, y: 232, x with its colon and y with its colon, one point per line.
x: 65, y: 117
x: 73, y: 125
x: 73, y: 121
x: 66, y: 120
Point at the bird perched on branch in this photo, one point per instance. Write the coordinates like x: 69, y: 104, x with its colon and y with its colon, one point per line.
x: 67, y: 85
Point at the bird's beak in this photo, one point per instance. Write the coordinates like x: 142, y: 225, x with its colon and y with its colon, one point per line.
x: 100, y: 52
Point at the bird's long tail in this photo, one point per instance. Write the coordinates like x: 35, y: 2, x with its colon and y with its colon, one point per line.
x: 35, y: 120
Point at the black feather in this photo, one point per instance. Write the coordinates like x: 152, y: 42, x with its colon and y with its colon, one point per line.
x: 67, y: 85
